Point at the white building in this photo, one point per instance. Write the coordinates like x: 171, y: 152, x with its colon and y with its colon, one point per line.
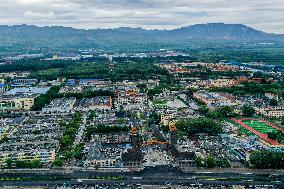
x: 63, y: 105
x: 271, y: 111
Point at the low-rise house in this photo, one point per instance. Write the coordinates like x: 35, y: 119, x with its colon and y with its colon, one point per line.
x: 96, y: 103
x: 16, y: 102
x: 132, y: 158
x: 132, y: 99
x: 62, y: 105
x: 185, y: 159
x: 71, y: 89
x: 23, y: 82
x: 45, y: 156
x: 105, y: 155
x: 214, y: 99
x: 271, y: 111
x: 112, y: 138
x: 222, y: 83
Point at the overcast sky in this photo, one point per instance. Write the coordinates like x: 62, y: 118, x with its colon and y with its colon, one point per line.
x: 266, y: 15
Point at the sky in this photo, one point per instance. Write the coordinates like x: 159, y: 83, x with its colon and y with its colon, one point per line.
x: 265, y: 15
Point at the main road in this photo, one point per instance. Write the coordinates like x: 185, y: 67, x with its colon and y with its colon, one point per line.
x: 150, y: 176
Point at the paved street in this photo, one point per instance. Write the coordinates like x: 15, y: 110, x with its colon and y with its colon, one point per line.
x: 78, y: 138
x: 150, y: 176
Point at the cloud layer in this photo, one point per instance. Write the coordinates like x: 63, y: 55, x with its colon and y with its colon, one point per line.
x: 161, y: 14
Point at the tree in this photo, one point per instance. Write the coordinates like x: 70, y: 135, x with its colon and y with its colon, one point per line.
x: 276, y: 135
x: 265, y: 159
x: 142, y: 87
x: 36, y: 164
x: 215, y: 115
x: 226, y: 111
x: 78, y: 151
x: 203, y: 110
x: 65, y: 141
x: 190, y: 92
x: 58, y: 163
x: 154, y: 118
x: 43, y: 99
x: 199, y: 125
x: 9, y: 163
x: 223, y: 163
x: 199, y: 161
x: 89, y: 131
x: 68, y: 154
x: 248, y: 110
x: 273, y: 102
x: 210, y: 162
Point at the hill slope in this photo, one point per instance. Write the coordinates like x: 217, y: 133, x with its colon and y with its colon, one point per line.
x: 57, y: 37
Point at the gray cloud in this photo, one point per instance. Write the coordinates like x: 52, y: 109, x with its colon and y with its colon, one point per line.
x: 263, y: 15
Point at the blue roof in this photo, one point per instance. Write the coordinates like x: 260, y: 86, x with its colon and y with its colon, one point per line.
x: 34, y: 90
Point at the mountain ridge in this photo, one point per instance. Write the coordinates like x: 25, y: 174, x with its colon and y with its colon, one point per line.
x: 59, y: 36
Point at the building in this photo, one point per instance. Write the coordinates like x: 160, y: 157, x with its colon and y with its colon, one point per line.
x: 221, y: 83
x: 28, y: 91
x: 71, y: 89
x: 96, y: 103
x: 133, y: 158
x: 173, y: 134
x: 185, y: 159
x: 16, y: 102
x: 135, y: 139
x: 63, y: 105
x: 105, y: 155
x: 112, y: 138
x: 271, y: 111
x: 45, y: 156
x: 166, y: 118
x: 271, y: 96
x: 23, y: 82
x: 214, y: 99
x: 2, y: 88
x: 131, y: 98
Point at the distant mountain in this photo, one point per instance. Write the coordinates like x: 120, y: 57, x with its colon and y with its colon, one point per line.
x: 119, y: 38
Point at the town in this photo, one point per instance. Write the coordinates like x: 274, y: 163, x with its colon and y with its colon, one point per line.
x: 116, y: 114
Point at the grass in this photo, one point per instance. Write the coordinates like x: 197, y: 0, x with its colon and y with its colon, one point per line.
x: 159, y: 103
x: 259, y: 126
x: 242, y: 129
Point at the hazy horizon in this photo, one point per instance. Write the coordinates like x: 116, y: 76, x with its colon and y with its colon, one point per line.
x: 154, y: 14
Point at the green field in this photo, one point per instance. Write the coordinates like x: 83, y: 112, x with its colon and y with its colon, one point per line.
x: 259, y: 126
x: 159, y: 103
x: 242, y: 129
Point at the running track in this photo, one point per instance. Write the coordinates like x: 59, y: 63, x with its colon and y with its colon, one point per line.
x: 261, y: 135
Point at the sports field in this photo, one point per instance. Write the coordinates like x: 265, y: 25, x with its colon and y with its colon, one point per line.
x: 258, y: 127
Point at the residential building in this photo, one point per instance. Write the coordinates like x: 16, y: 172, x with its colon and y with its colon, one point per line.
x: 271, y: 111
x: 16, y: 102
x: 131, y: 97
x: 96, y: 103
x: 112, y: 138
x: 63, y: 105
x: 45, y: 156
x: 221, y: 83
x: 132, y: 158
x: 214, y: 99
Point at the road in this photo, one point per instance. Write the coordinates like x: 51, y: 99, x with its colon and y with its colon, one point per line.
x: 151, y: 176
x: 78, y: 138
